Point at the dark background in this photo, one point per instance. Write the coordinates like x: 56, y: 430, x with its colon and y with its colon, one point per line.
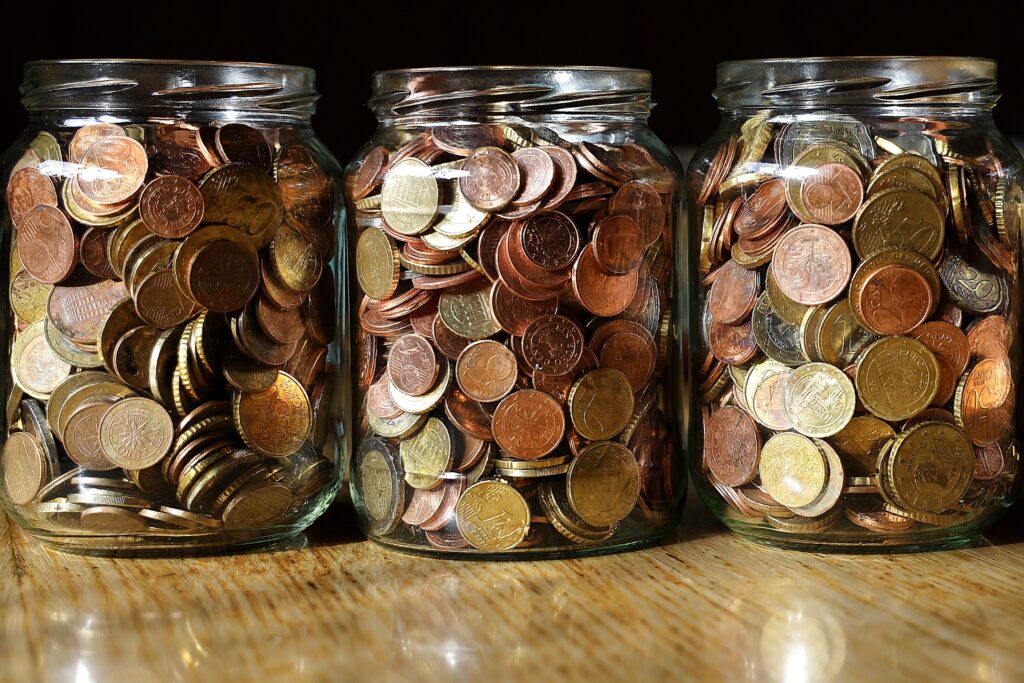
x: 680, y: 42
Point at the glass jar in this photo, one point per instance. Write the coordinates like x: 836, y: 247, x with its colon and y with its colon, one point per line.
x: 855, y: 246
x: 512, y: 312
x: 172, y: 317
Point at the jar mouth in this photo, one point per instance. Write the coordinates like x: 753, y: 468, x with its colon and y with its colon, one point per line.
x: 908, y: 80
x: 158, y: 85
x: 511, y: 90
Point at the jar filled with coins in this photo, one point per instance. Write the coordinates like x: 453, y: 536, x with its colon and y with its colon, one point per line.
x: 172, y: 313
x: 512, y: 239
x: 855, y: 254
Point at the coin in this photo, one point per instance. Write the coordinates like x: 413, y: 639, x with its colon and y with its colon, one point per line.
x: 244, y: 198
x: 491, y: 179
x: 930, y: 467
x: 792, y: 469
x: 779, y: 340
x: 36, y: 368
x: 598, y: 292
x: 426, y: 455
x: 306, y: 191
x: 732, y: 445
x: 27, y: 189
x: 171, y: 206
x: 552, y: 344
x: 275, y: 421
x: 818, y: 399
x: 468, y: 313
x: 486, y: 371
x: 528, y: 424
x: 984, y: 401
x: 600, y: 404
x: 237, y: 142
x: 136, y: 433
x: 296, y: 260
x: 86, y: 136
x: 377, y: 265
x: 412, y: 365
x: 536, y: 174
x: 859, y: 443
x: 832, y: 194
x: 947, y: 342
x: 811, y: 264
x: 257, y: 505
x: 902, y: 219
x: 491, y: 515
x: 550, y: 240
x: 897, y: 378
x: 46, y: 244
x: 893, y: 299
x: 112, y: 170
x: 25, y: 468
x: 28, y: 297
x: 410, y: 197
x: 733, y: 293
x: 603, y: 483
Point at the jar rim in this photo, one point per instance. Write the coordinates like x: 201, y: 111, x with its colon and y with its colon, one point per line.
x: 512, y: 67
x: 857, y: 80
x: 141, y: 61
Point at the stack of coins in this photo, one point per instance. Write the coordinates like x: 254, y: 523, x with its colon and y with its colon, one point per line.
x: 173, y: 300
x: 860, y: 302
x: 514, y: 325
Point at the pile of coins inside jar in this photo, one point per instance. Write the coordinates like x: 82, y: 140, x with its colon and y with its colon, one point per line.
x: 173, y: 301
x: 514, y: 325
x: 859, y: 317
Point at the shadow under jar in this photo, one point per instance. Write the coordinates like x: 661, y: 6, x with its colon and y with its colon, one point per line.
x: 512, y: 237
x: 856, y: 224
x: 170, y: 240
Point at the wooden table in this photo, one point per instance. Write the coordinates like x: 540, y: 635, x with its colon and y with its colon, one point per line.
x: 705, y: 607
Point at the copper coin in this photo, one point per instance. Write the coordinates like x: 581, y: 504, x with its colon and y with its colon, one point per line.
x: 468, y: 416
x: 550, y: 240
x: 490, y: 179
x: 370, y: 172
x: 320, y: 312
x: 93, y: 252
x: 513, y: 313
x: 462, y: 139
x: 895, y: 299
x: 733, y: 293
x: 160, y: 302
x: 985, y: 401
x: 223, y: 275
x: 435, y: 282
x: 762, y: 210
x: 426, y: 504
x: 256, y: 344
x: 990, y: 337
x: 487, y: 247
x: 27, y: 189
x: 634, y: 355
x: 87, y: 136
x: 947, y: 342
x: 379, y: 402
x: 732, y: 445
x: 536, y: 173
x: 131, y: 356
x: 565, y: 176
x: 641, y: 202
x: 239, y: 142
x: 284, y: 326
x: 306, y: 191
x: 528, y: 424
x: 487, y: 371
x: 179, y: 150
x: 412, y: 365
x: 112, y: 170
x: 879, y: 520
x: 281, y: 296
x: 553, y: 344
x: 513, y: 278
x: 732, y: 344
x: 618, y: 244
x: 832, y: 194
x: 949, y: 312
x: 811, y: 264
x: 601, y: 294
x: 46, y: 244
x: 79, y: 312
x: 598, y: 161
x: 990, y: 462
x: 171, y: 206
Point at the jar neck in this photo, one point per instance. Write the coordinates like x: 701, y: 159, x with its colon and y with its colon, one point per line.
x: 134, y: 90
x: 531, y: 94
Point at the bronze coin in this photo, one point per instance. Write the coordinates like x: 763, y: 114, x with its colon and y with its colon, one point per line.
x: 239, y: 142
x: 245, y: 373
x: 536, y: 173
x: 528, y: 424
x: 565, y: 176
x: 412, y: 365
x: 47, y: 244
x: 598, y: 161
x: 80, y: 311
x: 762, y: 210
x: 131, y: 356
x: 256, y: 344
x: 550, y: 240
x: 379, y: 402
x: 732, y: 344
x: 832, y: 194
x: 86, y: 136
x: 463, y: 139
x: 634, y: 355
x: 171, y: 206
x: 160, y: 302
x: 296, y: 259
x: 553, y: 344
x: 284, y: 326
x: 179, y: 150
x: 947, y: 342
x: 732, y: 446
x: 223, y: 275
x: 306, y: 191
x: 641, y: 202
x: 524, y: 277
x: 514, y: 313
x: 487, y: 247
x: 985, y: 402
x: 93, y: 252
x: 486, y: 371
x: 448, y: 343
x: 990, y: 337
x: 27, y: 189
x: 429, y: 283
x: 811, y: 264
x: 112, y: 170
x: 895, y: 299
x: 371, y: 172
x: 990, y: 462
x: 281, y: 296
x: 618, y: 244
x: 490, y: 179
x: 601, y: 294
x: 468, y: 416
x: 733, y: 293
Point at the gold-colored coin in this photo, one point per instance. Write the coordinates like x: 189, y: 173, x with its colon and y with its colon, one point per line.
x: 68, y: 351
x: 819, y: 399
x: 36, y: 368
x: 840, y: 337
x: 758, y: 372
x: 790, y: 311
x: 377, y: 265
x: 493, y: 516
x: 444, y: 243
x: 61, y: 393
x: 793, y: 469
x: 833, y: 489
x: 276, y: 421
x: 378, y: 485
x: 897, y: 378
x: 427, y: 454
x: 396, y: 427
x: 810, y: 327
x: 555, y: 504
x: 461, y: 218
x: 1009, y: 202
x: 600, y: 404
x: 296, y: 259
x: 28, y: 297
x: 915, y: 162
x: 426, y: 402
x: 860, y: 442
x: 246, y: 198
x: 25, y: 469
x: 603, y: 483
x: 257, y: 505
x: 409, y: 197
x: 903, y: 179
x: 468, y: 313
x: 930, y: 467
x: 901, y: 219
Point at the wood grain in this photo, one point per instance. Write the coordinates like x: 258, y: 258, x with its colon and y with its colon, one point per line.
x: 707, y: 606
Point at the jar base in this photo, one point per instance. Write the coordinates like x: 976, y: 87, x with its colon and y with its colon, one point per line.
x: 828, y: 543
x: 169, y: 545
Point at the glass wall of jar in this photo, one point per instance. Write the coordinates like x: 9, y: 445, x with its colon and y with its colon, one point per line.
x: 856, y: 361
x: 172, y: 315
x: 512, y: 232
